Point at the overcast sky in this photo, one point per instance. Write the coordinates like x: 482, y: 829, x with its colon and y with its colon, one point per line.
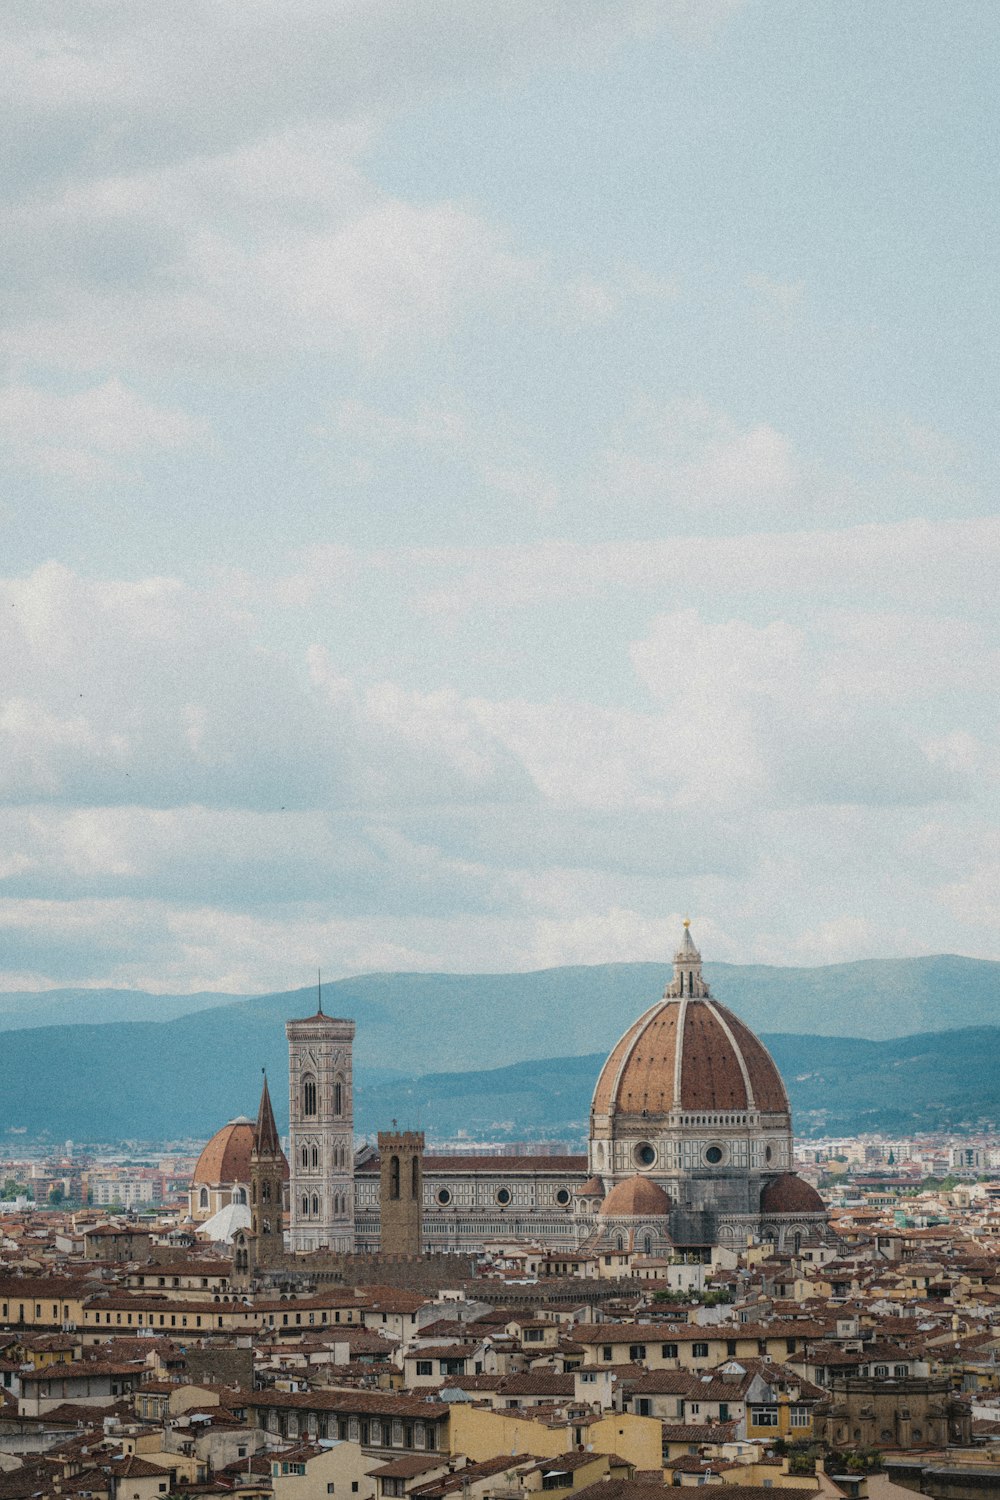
x: 483, y: 481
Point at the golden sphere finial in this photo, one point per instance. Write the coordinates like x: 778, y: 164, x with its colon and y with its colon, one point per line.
x: 687, y: 921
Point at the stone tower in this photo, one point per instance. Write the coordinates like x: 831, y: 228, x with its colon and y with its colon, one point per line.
x: 321, y: 1132
x: 262, y: 1246
x: 268, y: 1170
x: 401, y: 1191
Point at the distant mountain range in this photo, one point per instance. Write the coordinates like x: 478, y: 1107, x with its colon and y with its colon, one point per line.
x: 837, y: 1085
x: 191, y: 1062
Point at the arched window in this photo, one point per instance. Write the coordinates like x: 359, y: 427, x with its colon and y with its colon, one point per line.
x: 267, y: 1226
x: 305, y: 1156
x: 308, y: 1095
x: 315, y: 1156
x: 239, y: 1195
x: 203, y: 1198
x: 253, y: 1192
x: 338, y: 1097
x: 415, y: 1177
x: 647, y: 1243
x: 315, y: 1204
x: 265, y: 1191
x: 305, y: 1204
x: 394, y: 1177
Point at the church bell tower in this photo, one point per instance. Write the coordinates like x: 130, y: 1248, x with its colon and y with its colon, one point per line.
x: 321, y: 1132
x: 262, y: 1247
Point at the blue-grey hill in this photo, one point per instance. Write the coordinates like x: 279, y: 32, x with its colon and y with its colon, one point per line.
x: 160, y: 1078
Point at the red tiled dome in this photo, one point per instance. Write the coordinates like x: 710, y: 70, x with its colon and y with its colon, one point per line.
x: 689, y: 1052
x: 636, y: 1197
x: 722, y: 1065
x: 226, y: 1158
x: 789, y: 1194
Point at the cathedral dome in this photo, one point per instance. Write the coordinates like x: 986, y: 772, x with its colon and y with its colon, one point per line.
x: 790, y: 1194
x: 689, y: 1053
x: 637, y: 1197
x: 226, y: 1158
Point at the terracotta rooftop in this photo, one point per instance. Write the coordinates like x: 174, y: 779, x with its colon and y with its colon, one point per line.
x: 718, y: 1058
x: 790, y: 1194
x: 494, y: 1166
x: 226, y: 1157
x: 634, y: 1198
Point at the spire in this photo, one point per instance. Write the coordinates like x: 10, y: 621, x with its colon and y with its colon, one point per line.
x: 687, y: 952
x: 319, y: 991
x: 687, y: 978
x: 265, y: 1136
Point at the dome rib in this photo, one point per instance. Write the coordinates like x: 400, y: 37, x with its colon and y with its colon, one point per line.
x: 679, y: 1045
x: 711, y: 1076
x: 768, y: 1088
x: 609, y: 1079
x: 737, y: 1052
x: 688, y: 1052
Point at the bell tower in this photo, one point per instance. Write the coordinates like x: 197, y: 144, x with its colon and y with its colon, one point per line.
x: 321, y: 1132
x: 268, y: 1170
x: 262, y: 1247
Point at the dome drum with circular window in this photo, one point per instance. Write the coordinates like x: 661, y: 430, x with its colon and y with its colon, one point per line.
x: 691, y: 1098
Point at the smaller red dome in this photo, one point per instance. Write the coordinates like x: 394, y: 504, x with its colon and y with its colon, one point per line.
x: 636, y: 1198
x: 789, y: 1194
x: 592, y: 1188
x: 226, y: 1158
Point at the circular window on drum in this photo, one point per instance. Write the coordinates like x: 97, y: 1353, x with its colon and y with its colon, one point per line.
x: 562, y: 1197
x: 714, y: 1155
x: 443, y: 1197
x: 644, y: 1154
x: 503, y: 1196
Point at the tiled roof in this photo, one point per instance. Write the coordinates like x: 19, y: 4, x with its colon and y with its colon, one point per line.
x: 718, y: 1056
x: 226, y: 1157
x: 789, y: 1194
x: 636, y: 1197
x: 491, y: 1166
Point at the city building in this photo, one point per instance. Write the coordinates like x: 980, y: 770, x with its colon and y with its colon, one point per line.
x: 690, y: 1147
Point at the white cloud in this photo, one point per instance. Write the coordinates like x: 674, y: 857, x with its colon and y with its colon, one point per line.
x: 943, y: 564
x: 201, y: 78
x: 216, y: 260
x: 690, y: 457
x: 87, y: 434
x: 490, y: 454
x: 233, y: 220
x: 184, y: 769
x: 841, y: 939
